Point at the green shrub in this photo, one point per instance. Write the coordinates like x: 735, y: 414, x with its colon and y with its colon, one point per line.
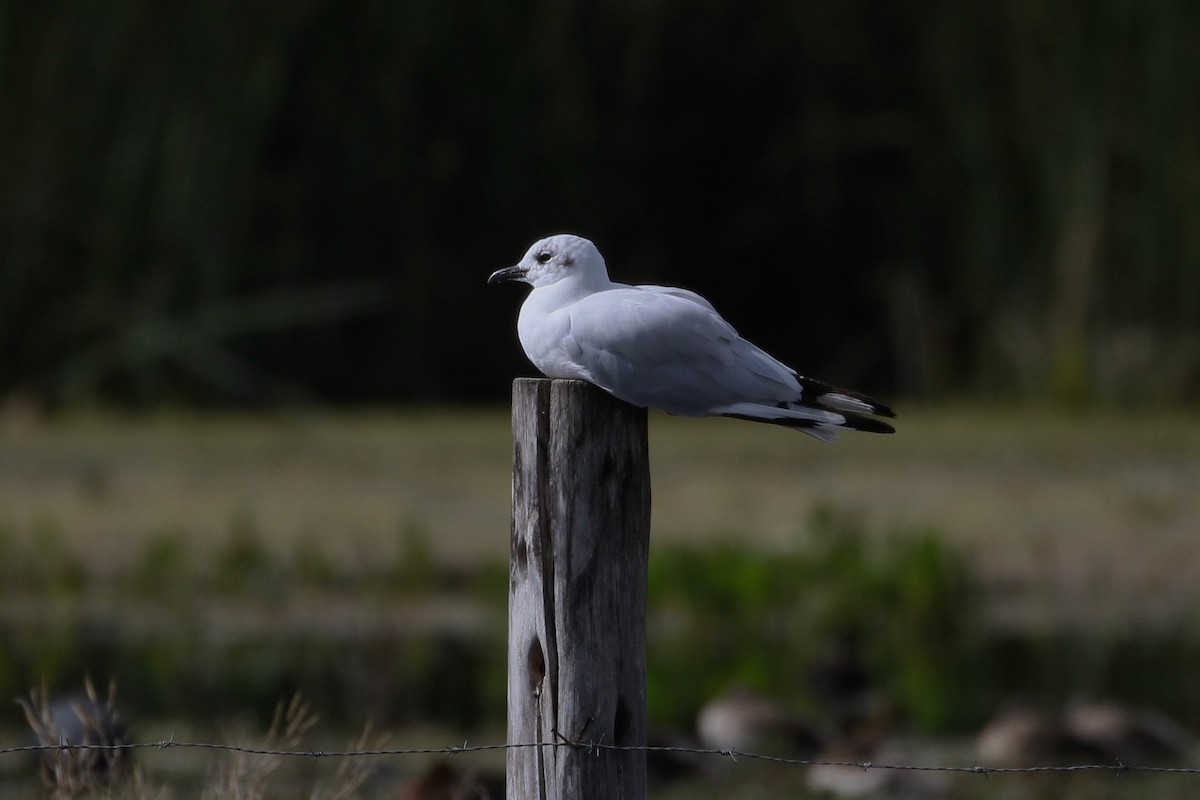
x: 764, y: 619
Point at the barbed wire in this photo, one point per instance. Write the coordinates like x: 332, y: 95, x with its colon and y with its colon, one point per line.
x: 595, y: 747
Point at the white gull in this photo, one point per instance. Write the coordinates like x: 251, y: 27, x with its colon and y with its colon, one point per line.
x: 664, y: 348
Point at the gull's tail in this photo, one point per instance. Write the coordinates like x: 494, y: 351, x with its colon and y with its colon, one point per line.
x: 820, y: 411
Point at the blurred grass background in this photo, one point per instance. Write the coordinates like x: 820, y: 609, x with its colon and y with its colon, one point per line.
x: 212, y: 564
x: 250, y: 371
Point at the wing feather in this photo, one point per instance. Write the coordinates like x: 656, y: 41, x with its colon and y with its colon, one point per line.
x: 671, y: 350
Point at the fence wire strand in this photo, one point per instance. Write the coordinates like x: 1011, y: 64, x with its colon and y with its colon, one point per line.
x: 595, y: 747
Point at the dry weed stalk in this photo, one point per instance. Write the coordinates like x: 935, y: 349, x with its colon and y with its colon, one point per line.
x: 251, y: 776
x: 353, y: 773
x: 245, y: 776
x: 79, y: 720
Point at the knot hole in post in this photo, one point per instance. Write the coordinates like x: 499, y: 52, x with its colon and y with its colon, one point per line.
x: 536, y: 665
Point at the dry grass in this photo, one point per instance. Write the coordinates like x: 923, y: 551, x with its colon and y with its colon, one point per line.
x: 1058, y: 512
x: 253, y: 776
x: 80, y: 720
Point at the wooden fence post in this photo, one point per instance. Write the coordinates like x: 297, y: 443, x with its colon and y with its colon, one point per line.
x: 577, y: 593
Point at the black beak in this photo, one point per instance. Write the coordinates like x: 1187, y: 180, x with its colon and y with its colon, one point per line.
x: 507, y: 274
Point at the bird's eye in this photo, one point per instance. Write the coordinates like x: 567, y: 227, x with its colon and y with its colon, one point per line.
x: 543, y: 257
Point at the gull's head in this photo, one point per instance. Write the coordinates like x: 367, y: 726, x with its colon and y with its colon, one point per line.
x: 553, y: 259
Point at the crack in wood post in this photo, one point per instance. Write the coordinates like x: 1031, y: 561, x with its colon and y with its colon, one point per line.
x: 581, y: 505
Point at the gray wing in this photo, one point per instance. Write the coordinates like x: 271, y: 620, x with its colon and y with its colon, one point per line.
x: 668, y: 348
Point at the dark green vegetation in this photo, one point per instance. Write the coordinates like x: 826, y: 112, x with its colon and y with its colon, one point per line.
x: 415, y: 645
x: 414, y: 640
x: 227, y: 203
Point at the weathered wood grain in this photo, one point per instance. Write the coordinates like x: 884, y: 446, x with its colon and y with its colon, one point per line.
x: 577, y: 592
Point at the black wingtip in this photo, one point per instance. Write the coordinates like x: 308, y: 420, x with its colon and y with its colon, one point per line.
x: 852, y: 421
x: 816, y: 388
x: 859, y: 422
x: 882, y: 410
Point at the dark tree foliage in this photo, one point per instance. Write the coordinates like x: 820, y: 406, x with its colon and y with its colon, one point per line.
x: 252, y: 203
